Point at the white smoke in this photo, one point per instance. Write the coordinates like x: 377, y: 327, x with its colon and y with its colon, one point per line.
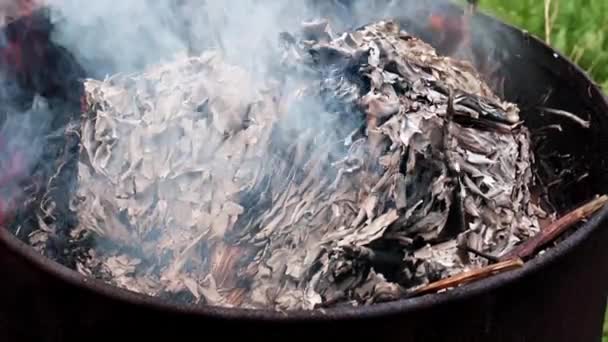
x: 108, y: 36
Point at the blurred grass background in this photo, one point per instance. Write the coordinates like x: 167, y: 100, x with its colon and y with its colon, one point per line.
x: 577, y: 28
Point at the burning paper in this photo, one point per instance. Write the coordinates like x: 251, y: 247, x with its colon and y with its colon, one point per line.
x: 364, y: 166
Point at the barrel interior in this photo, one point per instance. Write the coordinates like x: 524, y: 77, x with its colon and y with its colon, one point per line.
x: 528, y: 73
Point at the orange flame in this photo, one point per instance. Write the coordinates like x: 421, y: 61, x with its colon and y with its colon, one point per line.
x: 452, y: 30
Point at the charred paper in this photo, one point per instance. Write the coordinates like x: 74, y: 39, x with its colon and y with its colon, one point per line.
x: 363, y: 166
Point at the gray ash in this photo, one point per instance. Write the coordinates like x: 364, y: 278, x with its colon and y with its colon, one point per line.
x: 352, y: 173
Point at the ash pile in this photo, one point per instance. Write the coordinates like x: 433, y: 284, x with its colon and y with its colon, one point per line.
x: 362, y: 167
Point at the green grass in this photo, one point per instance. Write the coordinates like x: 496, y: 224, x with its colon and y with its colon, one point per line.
x: 605, y: 335
x: 577, y: 28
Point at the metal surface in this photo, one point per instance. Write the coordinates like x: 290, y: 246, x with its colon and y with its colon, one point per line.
x: 558, y: 296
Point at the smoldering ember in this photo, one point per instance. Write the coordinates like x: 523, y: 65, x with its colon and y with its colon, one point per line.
x: 362, y: 167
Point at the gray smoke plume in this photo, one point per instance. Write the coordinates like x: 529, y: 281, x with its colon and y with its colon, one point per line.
x: 23, y: 134
x: 109, y: 36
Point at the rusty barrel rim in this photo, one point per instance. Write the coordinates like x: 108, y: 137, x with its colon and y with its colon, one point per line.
x: 533, y: 266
